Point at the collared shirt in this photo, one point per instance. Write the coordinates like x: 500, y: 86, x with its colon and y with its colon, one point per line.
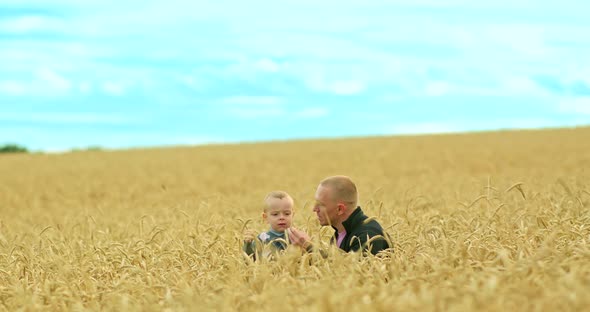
x: 341, y: 236
x: 276, y: 241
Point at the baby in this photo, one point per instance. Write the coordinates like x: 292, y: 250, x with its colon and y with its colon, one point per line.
x: 278, y: 212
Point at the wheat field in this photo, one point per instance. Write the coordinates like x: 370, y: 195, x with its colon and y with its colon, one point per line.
x: 485, y: 221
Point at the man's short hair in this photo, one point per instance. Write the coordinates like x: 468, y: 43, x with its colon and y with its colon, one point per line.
x: 343, y: 189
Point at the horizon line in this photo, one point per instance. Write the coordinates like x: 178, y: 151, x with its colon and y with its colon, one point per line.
x: 97, y: 147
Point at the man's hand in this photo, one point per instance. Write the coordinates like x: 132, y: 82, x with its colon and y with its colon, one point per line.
x: 299, y: 238
x: 249, y: 236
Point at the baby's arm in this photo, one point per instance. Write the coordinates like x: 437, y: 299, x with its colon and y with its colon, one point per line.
x: 249, y: 243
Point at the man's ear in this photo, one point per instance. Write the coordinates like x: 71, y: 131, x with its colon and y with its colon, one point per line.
x: 264, y: 216
x: 341, y: 208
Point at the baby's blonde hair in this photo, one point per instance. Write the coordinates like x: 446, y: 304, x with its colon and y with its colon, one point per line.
x: 277, y: 195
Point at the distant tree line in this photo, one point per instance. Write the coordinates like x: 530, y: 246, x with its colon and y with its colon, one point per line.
x: 13, y: 148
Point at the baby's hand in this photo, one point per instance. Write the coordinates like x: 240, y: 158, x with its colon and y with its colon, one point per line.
x: 249, y: 235
x: 298, y: 237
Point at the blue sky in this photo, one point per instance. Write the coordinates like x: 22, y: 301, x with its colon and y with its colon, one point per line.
x: 148, y: 73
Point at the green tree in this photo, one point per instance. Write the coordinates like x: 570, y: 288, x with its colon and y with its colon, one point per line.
x: 12, y: 148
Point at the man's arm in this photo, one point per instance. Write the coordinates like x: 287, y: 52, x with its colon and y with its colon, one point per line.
x: 299, y: 238
x: 367, y: 239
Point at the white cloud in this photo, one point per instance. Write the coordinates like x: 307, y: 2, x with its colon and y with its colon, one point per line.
x: 577, y: 105
x: 150, y: 138
x: 423, y: 128
x: 53, y: 80
x: 312, y: 112
x: 503, y: 86
x: 192, y: 82
x: 190, y: 139
x: 45, y: 82
x: 268, y: 65
x: 355, y: 50
x: 437, y: 88
x: 515, y: 85
x: 389, y: 97
x: 253, y: 106
x: 84, y: 87
x: 9, y: 87
x: 520, y: 123
x: 316, y: 80
x: 67, y: 118
x: 419, y: 128
x: 24, y: 24
x: 468, y: 48
x: 253, y: 100
x: 61, y: 140
x: 254, y: 113
x: 347, y: 87
x: 113, y: 88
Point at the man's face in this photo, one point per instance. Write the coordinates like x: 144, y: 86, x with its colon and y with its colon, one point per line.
x: 279, y: 214
x: 325, y: 207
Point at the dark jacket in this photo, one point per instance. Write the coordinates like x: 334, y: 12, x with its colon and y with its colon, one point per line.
x: 358, y: 232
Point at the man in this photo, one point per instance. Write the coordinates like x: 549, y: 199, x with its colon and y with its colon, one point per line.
x: 336, y: 205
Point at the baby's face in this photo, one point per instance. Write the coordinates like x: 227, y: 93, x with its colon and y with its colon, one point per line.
x: 279, y: 214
